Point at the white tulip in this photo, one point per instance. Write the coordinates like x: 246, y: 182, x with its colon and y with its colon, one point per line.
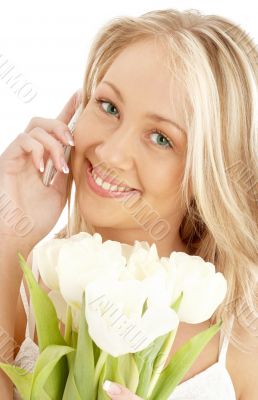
x: 45, y: 255
x: 142, y: 261
x: 113, y: 312
x: 203, y: 288
x: 83, y: 261
x: 59, y: 304
x: 70, y: 265
x: 143, y: 264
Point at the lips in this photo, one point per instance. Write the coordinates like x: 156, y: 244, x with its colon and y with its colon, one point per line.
x: 106, y: 193
x: 109, y: 179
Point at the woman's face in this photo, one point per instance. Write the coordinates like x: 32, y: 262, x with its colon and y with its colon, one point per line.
x: 118, y: 133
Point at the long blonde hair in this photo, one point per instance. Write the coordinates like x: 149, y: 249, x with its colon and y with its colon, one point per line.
x: 218, y: 68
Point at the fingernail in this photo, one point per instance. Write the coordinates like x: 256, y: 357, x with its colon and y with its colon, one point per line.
x: 112, y: 388
x: 64, y: 166
x: 69, y: 138
x: 41, y: 166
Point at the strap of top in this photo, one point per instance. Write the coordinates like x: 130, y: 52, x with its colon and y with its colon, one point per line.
x: 25, y: 305
x: 224, y: 342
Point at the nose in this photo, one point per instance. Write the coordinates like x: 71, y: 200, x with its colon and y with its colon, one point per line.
x: 117, y: 150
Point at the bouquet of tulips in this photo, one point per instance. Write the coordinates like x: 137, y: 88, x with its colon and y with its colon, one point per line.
x: 119, y: 307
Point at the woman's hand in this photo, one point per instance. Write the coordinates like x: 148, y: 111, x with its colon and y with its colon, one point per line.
x: 21, y: 179
x: 118, y: 392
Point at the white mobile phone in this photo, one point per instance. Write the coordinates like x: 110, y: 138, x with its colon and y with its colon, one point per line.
x: 50, y: 169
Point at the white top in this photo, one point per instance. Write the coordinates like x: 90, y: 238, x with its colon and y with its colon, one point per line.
x: 214, y: 383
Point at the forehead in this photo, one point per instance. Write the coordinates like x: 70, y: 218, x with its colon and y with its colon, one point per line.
x: 140, y: 72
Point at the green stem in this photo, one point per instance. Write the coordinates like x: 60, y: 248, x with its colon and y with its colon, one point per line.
x: 161, y: 360
x: 101, y: 361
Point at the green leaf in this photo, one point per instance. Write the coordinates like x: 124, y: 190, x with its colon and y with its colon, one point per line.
x: 74, y: 339
x: 47, y: 326
x: 44, y: 367
x: 181, y: 362
x: 150, y: 352
x: 161, y: 359
x: 144, y: 380
x: 45, y: 314
x: 122, y: 370
x: 128, y: 372
x: 112, y: 372
x: 96, y: 351
x: 84, y: 359
x: 101, y: 392
x: 99, y: 367
x: 162, y: 354
x: 71, y: 391
x: 20, y: 378
x: 109, y: 371
x: 145, y: 359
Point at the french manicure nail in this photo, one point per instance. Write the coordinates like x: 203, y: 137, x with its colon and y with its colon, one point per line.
x: 69, y: 138
x: 64, y: 166
x: 41, y: 166
x: 111, y: 387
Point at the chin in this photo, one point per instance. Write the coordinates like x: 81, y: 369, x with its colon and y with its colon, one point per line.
x: 109, y: 216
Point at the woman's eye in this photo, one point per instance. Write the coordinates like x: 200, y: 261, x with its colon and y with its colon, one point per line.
x: 109, y: 109
x: 163, y: 141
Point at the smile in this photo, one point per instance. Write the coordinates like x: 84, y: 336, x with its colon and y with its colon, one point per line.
x: 106, y: 189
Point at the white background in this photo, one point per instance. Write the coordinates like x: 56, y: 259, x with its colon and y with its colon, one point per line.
x: 47, y: 42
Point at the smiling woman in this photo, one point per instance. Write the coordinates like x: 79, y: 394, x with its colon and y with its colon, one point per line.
x: 164, y: 108
x: 169, y: 125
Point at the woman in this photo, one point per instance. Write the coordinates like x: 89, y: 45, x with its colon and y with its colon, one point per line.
x: 169, y: 106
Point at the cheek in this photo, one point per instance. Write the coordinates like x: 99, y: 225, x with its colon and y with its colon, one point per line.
x: 162, y: 181
x: 86, y: 129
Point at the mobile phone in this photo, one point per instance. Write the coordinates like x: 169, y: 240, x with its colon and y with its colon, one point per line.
x: 50, y: 169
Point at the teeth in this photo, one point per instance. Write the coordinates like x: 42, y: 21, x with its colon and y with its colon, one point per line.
x: 114, y: 187
x: 108, y: 186
x: 105, y: 185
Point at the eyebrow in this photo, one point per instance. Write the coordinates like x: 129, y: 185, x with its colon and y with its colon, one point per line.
x: 155, y: 117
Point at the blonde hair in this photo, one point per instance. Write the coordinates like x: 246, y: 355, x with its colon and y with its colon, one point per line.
x: 218, y: 69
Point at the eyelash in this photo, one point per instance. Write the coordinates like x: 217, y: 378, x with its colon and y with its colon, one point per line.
x: 99, y: 102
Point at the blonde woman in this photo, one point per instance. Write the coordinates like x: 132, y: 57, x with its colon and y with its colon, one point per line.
x: 169, y: 103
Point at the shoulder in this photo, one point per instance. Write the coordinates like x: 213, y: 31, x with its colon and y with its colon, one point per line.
x: 247, y: 361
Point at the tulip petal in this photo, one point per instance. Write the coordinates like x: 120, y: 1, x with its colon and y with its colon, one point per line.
x: 59, y: 303
x: 45, y: 256
x: 114, y: 316
x: 157, y: 321
x: 204, y: 288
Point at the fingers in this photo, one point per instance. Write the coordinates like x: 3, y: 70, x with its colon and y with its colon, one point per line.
x: 70, y: 107
x: 52, y: 126
x: 118, y: 392
x: 37, y: 143
x: 52, y: 146
x: 24, y: 144
x: 44, y: 137
x: 58, y: 127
